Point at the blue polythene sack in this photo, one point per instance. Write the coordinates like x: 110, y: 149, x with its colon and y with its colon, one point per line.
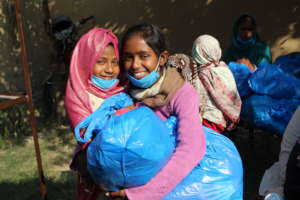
x: 271, y: 80
x: 290, y: 63
x: 130, y: 150
x: 97, y: 121
x: 218, y: 176
x: 268, y: 113
x: 241, y: 74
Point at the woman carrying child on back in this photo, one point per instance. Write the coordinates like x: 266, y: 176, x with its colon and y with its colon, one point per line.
x: 94, y: 76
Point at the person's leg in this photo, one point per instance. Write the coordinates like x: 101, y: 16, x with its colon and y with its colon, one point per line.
x: 274, y: 178
x: 292, y: 182
x: 290, y: 137
x: 86, y: 189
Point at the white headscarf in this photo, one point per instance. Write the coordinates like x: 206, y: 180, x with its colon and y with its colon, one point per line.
x: 206, y: 49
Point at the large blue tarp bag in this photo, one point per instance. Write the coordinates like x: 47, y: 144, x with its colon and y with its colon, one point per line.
x: 241, y: 74
x: 271, y: 80
x: 268, y: 113
x: 131, y: 148
x: 121, y: 152
x: 218, y: 176
x: 290, y: 63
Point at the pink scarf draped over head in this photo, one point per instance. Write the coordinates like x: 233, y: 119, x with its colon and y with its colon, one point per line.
x: 88, y: 49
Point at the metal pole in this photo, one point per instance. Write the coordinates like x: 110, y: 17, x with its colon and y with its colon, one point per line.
x: 29, y: 99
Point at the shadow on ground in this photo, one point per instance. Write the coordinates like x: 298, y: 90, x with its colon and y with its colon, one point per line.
x: 29, y: 190
x: 258, y: 152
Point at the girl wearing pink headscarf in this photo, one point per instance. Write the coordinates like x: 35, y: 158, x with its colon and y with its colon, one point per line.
x: 94, y: 76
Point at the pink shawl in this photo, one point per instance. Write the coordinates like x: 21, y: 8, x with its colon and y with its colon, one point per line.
x: 207, y: 53
x: 87, y: 51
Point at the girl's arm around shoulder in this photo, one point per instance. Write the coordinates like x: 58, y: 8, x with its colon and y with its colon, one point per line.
x: 189, y: 151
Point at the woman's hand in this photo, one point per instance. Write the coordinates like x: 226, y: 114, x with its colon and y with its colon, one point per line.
x: 118, y: 195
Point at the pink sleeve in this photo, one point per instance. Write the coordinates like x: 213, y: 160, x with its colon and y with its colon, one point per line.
x: 189, y: 151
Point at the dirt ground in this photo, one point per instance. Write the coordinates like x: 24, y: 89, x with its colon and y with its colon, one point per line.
x: 258, y: 151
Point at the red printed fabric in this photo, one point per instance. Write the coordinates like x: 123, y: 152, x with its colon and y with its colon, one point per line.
x: 216, y: 127
x: 228, y: 101
x: 217, y: 79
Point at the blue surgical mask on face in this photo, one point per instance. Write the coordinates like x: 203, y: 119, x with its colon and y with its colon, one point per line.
x: 146, y: 81
x: 102, y: 83
x: 249, y: 41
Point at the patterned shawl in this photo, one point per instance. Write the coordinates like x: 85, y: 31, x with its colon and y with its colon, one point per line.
x: 215, y: 76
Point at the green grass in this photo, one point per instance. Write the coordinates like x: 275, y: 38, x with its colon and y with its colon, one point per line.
x: 18, y: 167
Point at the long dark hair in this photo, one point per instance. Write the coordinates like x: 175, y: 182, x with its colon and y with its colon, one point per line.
x: 244, y: 18
x: 150, y: 33
x: 241, y: 20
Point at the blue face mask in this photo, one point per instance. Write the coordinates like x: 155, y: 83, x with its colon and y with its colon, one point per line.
x: 249, y: 41
x: 146, y: 81
x: 103, y: 84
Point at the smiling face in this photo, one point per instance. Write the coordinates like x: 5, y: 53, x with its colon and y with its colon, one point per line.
x: 139, y: 59
x: 107, y: 66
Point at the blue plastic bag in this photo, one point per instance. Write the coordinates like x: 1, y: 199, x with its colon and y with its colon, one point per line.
x: 290, y: 63
x: 270, y: 80
x: 275, y: 97
x: 96, y: 121
x: 268, y: 113
x: 219, y: 175
x: 241, y: 74
x: 121, y: 153
x: 131, y: 148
